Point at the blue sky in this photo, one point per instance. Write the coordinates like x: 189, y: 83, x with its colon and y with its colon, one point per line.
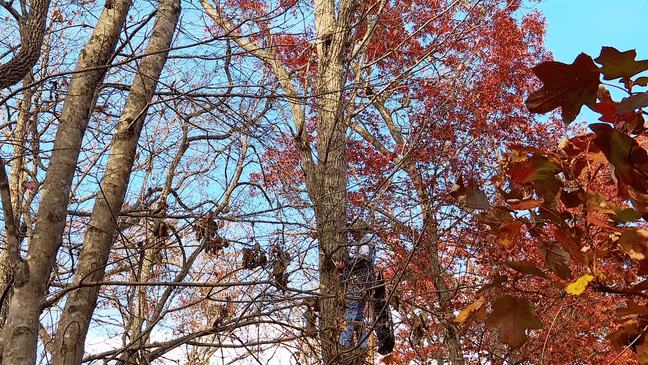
x: 576, y: 26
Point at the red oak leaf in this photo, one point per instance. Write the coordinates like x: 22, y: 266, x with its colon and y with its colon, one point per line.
x: 555, y: 258
x: 508, y: 232
x: 631, y: 122
x: 536, y: 168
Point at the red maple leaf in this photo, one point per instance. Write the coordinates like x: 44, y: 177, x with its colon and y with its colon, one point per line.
x: 566, y: 86
x: 629, y: 159
x: 619, y: 64
x: 515, y: 316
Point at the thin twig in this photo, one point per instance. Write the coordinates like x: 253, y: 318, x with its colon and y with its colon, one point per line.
x: 544, y: 347
x: 628, y: 346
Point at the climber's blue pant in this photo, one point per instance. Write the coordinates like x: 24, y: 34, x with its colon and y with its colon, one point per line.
x: 354, y: 318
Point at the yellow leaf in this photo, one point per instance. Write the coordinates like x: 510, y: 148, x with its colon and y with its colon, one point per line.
x: 508, y: 232
x: 579, y: 285
x: 465, y: 314
x: 634, y: 242
x: 597, y: 203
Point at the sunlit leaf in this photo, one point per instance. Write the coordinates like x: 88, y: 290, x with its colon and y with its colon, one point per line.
x: 514, y: 316
x: 634, y: 242
x: 566, y: 86
x: 619, y: 64
x: 508, y: 232
x: 579, y: 286
x: 461, y: 317
x: 475, y: 310
x: 597, y: 203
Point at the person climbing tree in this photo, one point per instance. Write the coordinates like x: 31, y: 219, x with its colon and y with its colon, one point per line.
x: 359, y: 277
x: 363, y: 285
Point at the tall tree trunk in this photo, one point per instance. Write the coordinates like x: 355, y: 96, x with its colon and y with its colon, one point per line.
x: 327, y: 188
x: 17, y: 175
x: 16, y: 178
x: 31, y: 39
x: 32, y: 273
x: 326, y: 180
x: 80, y: 304
x: 32, y: 33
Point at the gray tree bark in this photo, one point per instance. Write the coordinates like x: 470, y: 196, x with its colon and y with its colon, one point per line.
x: 327, y: 184
x: 32, y: 31
x: 31, y: 36
x: 16, y: 179
x: 326, y: 180
x: 32, y: 273
x: 80, y: 304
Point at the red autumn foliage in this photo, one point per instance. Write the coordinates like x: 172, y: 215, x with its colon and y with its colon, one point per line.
x: 579, y: 257
x: 439, y: 91
x: 560, y: 246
